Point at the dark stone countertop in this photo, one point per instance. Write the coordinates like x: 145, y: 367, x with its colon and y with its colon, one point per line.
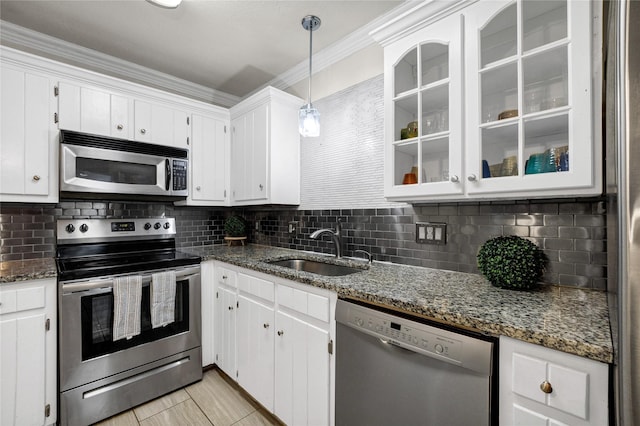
x: 24, y: 270
x: 568, y: 319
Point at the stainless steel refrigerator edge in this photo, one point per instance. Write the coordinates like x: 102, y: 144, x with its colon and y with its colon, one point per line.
x: 623, y: 192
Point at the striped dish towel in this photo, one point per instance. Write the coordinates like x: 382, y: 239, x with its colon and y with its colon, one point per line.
x: 127, y: 297
x: 163, y: 298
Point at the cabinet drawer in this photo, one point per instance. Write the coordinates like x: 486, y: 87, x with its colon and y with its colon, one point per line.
x: 569, y: 386
x: 314, y: 305
x: 538, y: 385
x: 257, y: 287
x: 21, y: 299
x: 225, y: 276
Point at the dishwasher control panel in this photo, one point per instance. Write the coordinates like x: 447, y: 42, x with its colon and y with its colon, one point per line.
x: 406, y: 333
x: 447, y: 345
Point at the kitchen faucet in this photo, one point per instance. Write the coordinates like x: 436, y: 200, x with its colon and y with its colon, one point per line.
x: 336, y: 237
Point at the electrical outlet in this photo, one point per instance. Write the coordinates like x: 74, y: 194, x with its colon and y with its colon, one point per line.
x: 293, y: 227
x: 431, y: 233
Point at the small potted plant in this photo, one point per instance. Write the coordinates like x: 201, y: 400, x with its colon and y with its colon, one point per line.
x: 511, y: 262
x: 235, y: 229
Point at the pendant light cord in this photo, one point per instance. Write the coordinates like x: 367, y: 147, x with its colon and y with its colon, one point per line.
x: 310, y: 56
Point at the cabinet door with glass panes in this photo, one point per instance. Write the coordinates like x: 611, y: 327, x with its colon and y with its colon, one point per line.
x: 423, y: 104
x: 531, y: 129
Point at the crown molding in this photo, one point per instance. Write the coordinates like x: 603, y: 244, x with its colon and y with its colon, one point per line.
x: 32, y: 41
x: 28, y: 40
x: 414, y: 18
x: 347, y: 46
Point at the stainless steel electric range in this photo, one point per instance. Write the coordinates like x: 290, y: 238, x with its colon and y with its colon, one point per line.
x: 99, y: 374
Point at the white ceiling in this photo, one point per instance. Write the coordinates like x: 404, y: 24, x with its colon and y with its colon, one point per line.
x: 232, y: 46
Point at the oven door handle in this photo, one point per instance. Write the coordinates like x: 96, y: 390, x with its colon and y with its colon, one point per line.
x: 91, y: 284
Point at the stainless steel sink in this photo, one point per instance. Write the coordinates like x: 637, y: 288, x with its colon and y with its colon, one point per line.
x: 320, y: 268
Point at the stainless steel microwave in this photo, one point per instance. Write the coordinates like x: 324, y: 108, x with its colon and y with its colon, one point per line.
x: 104, y: 165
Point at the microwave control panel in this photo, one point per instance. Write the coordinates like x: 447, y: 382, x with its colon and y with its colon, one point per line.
x: 179, y: 175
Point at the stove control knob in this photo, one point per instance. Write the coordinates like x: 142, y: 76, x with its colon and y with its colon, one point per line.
x: 84, y: 228
x: 167, y: 225
x: 70, y: 228
x: 147, y: 226
x: 439, y: 348
x: 157, y: 225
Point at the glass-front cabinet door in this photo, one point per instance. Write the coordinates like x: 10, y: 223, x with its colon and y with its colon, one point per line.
x: 529, y: 99
x: 423, y: 104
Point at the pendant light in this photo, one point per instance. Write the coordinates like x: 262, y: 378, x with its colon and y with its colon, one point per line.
x: 309, y: 117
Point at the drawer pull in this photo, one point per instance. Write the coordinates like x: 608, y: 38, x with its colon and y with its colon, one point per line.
x: 546, y: 387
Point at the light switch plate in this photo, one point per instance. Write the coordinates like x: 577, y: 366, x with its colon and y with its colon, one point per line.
x: 431, y: 233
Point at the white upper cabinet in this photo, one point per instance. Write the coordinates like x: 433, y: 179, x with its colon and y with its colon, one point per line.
x: 104, y: 112
x: 209, y: 181
x: 265, y: 149
x: 27, y: 138
x: 531, y: 122
x: 91, y: 110
x: 423, y: 103
x: 160, y: 124
x: 496, y: 100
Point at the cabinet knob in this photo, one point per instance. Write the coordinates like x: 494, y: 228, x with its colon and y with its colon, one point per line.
x: 143, y: 131
x: 472, y: 178
x: 280, y: 332
x: 231, y: 308
x: 119, y: 127
x: 260, y: 186
x: 454, y: 179
x: 198, y: 188
x: 546, y: 387
x: 265, y: 325
x: 36, y: 178
x: 224, y: 277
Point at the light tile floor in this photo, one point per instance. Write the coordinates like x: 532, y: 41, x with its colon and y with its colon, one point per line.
x: 212, y: 401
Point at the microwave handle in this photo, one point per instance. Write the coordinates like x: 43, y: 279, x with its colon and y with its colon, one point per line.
x: 168, y: 178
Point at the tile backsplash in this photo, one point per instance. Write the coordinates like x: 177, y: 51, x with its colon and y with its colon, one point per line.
x: 572, y: 233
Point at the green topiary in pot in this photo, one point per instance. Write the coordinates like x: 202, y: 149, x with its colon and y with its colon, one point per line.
x: 235, y: 226
x: 511, y: 262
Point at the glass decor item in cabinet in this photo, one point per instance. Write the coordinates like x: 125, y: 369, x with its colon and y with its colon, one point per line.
x: 533, y: 94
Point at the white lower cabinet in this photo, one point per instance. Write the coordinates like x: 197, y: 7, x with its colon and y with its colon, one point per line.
x: 254, y: 328
x: 225, y: 319
x: 302, y: 379
x: 28, y: 347
x: 281, y: 333
x: 541, y: 386
x: 207, y: 305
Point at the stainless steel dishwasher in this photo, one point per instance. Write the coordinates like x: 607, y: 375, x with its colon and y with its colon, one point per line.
x: 392, y: 370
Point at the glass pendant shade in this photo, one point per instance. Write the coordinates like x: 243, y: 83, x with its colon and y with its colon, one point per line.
x: 309, y: 121
x: 309, y: 117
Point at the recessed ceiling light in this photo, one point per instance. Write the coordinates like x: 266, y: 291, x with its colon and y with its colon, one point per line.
x: 169, y: 4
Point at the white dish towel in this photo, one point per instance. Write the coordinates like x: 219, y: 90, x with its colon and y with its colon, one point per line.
x: 127, y: 298
x: 163, y: 298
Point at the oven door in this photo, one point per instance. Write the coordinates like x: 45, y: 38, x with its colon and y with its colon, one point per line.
x: 87, y: 349
x: 90, y: 169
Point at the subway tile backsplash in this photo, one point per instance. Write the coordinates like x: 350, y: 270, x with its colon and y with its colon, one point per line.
x: 572, y: 233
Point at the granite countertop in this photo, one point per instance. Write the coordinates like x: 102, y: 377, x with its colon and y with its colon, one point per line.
x: 568, y: 319
x: 24, y: 270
